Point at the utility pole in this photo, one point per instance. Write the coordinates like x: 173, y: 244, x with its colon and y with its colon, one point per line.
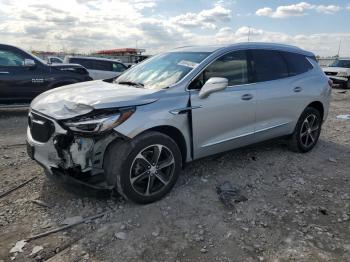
x: 339, y: 48
x: 249, y: 34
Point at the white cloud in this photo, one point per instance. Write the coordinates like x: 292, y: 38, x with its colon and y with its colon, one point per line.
x: 299, y: 9
x: 205, y: 18
x: 329, y: 9
x: 321, y: 44
x: 89, y: 25
x: 86, y: 25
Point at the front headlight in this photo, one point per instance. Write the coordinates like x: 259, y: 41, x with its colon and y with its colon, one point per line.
x: 342, y: 74
x: 100, y: 123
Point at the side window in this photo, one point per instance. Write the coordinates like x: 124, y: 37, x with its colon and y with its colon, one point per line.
x: 9, y: 58
x: 117, y: 67
x: 297, y: 64
x: 55, y: 60
x: 233, y: 66
x: 268, y: 65
x: 101, y: 65
x: 84, y: 62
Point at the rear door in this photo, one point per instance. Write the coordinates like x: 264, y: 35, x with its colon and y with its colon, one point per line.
x: 225, y: 119
x: 279, y: 95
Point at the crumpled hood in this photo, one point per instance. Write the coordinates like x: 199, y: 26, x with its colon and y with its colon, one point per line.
x: 78, y: 99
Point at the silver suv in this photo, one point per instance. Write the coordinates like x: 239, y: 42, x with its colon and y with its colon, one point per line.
x: 134, y: 135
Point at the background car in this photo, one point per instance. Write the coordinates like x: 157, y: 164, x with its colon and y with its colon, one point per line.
x: 54, y: 60
x: 23, y: 76
x: 339, y: 72
x: 99, y: 68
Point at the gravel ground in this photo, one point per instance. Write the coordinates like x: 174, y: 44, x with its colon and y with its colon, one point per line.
x: 297, y: 206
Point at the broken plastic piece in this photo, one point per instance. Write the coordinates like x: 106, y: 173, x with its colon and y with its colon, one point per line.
x: 229, y: 195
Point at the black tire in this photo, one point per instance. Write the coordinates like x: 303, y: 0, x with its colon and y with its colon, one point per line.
x: 298, y: 142
x: 347, y: 84
x: 122, y: 160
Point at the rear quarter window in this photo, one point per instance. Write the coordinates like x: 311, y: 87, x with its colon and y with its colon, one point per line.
x: 101, y: 65
x: 84, y: 62
x: 268, y: 65
x: 297, y: 63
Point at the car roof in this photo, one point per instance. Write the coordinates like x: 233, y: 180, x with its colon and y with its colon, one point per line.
x: 249, y: 45
x: 95, y: 58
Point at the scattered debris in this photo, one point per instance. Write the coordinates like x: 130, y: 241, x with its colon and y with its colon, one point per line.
x: 65, y: 227
x: 17, y: 187
x: 331, y: 159
x: 343, y: 117
x: 156, y: 232
x: 41, y: 203
x: 342, y: 92
x: 19, y: 246
x: 323, y: 211
x: 229, y: 195
x: 72, y: 220
x: 35, y: 250
x: 5, y: 157
x: 204, y: 250
x: 121, y: 235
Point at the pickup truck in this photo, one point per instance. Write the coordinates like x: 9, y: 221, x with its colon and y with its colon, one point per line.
x: 23, y: 76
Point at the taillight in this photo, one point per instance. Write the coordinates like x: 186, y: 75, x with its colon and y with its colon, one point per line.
x: 330, y: 83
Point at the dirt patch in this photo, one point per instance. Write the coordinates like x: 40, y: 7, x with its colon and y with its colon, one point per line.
x: 297, y: 206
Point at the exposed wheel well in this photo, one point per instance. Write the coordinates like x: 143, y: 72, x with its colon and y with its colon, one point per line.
x: 318, y: 106
x: 176, y: 135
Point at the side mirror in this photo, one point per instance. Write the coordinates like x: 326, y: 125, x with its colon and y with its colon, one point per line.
x: 29, y: 63
x: 214, y: 84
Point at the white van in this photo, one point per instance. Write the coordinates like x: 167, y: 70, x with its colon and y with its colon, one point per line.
x: 99, y: 68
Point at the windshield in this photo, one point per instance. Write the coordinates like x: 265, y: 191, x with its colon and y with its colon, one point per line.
x: 341, y: 63
x: 162, y: 70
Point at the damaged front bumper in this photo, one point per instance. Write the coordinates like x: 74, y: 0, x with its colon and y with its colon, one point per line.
x: 339, y: 80
x: 67, y: 155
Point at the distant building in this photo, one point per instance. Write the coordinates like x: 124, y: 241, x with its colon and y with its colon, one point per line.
x: 126, y: 55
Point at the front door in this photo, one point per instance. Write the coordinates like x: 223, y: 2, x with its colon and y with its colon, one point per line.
x: 225, y: 119
x: 17, y: 82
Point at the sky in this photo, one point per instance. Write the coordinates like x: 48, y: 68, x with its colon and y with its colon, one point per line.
x: 160, y: 25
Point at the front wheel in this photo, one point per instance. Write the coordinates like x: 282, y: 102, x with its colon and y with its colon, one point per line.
x: 144, y: 169
x: 347, y: 84
x: 307, y: 131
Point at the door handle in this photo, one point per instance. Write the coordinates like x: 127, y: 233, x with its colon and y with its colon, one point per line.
x: 297, y: 89
x: 183, y: 110
x: 4, y: 72
x: 247, y: 97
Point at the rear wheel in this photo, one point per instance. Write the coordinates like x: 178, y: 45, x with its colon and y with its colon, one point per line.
x: 307, y: 131
x: 145, y: 169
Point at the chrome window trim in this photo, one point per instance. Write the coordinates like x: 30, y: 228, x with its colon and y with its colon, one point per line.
x: 246, y: 134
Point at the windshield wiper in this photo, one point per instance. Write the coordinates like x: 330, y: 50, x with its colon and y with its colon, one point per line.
x: 130, y: 83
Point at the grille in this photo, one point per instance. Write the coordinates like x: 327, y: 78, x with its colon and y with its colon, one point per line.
x: 331, y: 73
x: 41, y: 128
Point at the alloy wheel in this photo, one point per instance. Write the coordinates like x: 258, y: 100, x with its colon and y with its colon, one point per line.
x: 309, y: 130
x: 152, y: 170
